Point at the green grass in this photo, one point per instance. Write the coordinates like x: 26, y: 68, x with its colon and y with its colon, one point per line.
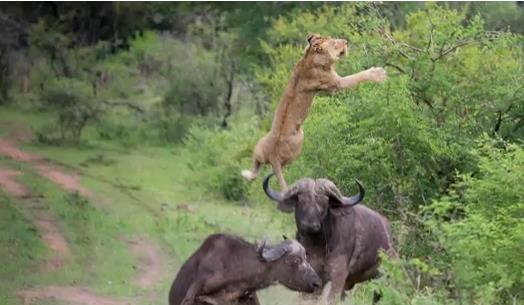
x: 95, y: 238
x: 142, y: 191
x: 20, y: 248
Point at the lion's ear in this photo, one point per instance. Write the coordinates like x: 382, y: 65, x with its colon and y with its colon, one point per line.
x: 311, y: 38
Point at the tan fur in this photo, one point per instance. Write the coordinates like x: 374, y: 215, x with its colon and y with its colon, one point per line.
x: 312, y: 74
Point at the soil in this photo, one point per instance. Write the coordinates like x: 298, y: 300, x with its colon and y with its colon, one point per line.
x: 43, y: 167
x: 70, y: 295
x: 150, y: 262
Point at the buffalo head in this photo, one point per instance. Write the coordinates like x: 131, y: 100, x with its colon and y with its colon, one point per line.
x: 310, y: 200
x: 290, y: 266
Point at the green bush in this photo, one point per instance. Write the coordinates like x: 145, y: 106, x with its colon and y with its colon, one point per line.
x: 408, y: 139
x: 195, y: 80
x: 484, y: 232
x: 217, y: 157
x: 74, y: 104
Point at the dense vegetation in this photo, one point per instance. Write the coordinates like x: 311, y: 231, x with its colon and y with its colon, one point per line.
x: 439, y: 145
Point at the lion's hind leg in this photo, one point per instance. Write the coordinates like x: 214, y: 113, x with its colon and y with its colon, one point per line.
x: 277, y: 169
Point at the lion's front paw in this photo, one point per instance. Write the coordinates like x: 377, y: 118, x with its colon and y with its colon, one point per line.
x: 376, y: 74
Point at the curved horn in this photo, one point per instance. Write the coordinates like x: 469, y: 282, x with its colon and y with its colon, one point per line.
x: 262, y: 244
x: 355, y: 199
x: 276, y: 196
x: 272, y: 253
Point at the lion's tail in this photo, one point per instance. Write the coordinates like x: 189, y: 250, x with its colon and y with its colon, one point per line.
x: 252, y: 174
x: 249, y: 175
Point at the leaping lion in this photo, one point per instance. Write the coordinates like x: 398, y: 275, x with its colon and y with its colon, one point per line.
x: 313, y: 73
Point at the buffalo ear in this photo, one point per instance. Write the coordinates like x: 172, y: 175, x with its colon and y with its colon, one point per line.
x: 335, y: 202
x: 288, y: 204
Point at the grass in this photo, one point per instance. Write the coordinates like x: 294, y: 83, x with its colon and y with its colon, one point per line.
x: 20, y: 246
x: 99, y: 254
x: 142, y: 191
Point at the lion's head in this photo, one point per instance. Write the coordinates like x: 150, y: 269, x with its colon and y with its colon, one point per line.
x: 325, y: 50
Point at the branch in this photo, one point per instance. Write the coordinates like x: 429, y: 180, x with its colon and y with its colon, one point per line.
x: 498, y: 123
x: 399, y: 68
x: 424, y: 99
x: 432, y: 28
x: 444, y: 44
x: 403, y: 44
x: 446, y: 52
x: 125, y: 104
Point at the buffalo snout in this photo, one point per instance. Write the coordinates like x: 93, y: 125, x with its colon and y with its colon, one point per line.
x: 316, y: 282
x: 310, y: 227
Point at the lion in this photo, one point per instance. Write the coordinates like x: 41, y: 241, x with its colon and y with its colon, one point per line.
x: 313, y: 73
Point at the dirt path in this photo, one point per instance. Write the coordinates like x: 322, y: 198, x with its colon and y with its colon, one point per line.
x: 150, y: 261
x: 10, y: 185
x: 71, y: 295
x: 43, y: 167
x: 44, y: 222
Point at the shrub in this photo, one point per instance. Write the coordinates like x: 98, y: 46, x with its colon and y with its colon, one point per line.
x: 74, y: 104
x: 480, y: 225
x: 217, y: 156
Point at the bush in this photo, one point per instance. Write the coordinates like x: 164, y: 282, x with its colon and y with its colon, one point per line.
x: 74, y: 104
x: 408, y: 140
x: 217, y: 156
x: 196, y: 83
x: 484, y: 232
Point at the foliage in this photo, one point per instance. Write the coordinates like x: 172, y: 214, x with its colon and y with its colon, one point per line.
x: 195, y: 84
x: 218, y: 156
x: 72, y: 100
x: 484, y: 233
x: 450, y: 82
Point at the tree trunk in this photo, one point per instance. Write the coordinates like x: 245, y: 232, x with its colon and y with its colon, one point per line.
x: 4, y: 77
x: 227, y: 101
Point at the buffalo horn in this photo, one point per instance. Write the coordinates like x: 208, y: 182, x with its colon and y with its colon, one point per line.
x: 355, y: 199
x: 276, y: 196
x: 272, y: 253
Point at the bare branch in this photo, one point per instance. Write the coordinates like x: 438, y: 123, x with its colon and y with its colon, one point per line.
x: 455, y: 47
x: 125, y: 104
x: 395, y: 42
x: 432, y: 28
x: 399, y: 68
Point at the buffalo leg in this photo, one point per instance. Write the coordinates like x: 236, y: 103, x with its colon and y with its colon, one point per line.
x: 338, y: 271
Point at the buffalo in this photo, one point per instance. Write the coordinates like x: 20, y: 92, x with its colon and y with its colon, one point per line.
x: 229, y: 270
x: 342, y: 238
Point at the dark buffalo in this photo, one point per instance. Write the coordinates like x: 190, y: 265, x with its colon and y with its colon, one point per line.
x: 229, y: 270
x: 342, y: 238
